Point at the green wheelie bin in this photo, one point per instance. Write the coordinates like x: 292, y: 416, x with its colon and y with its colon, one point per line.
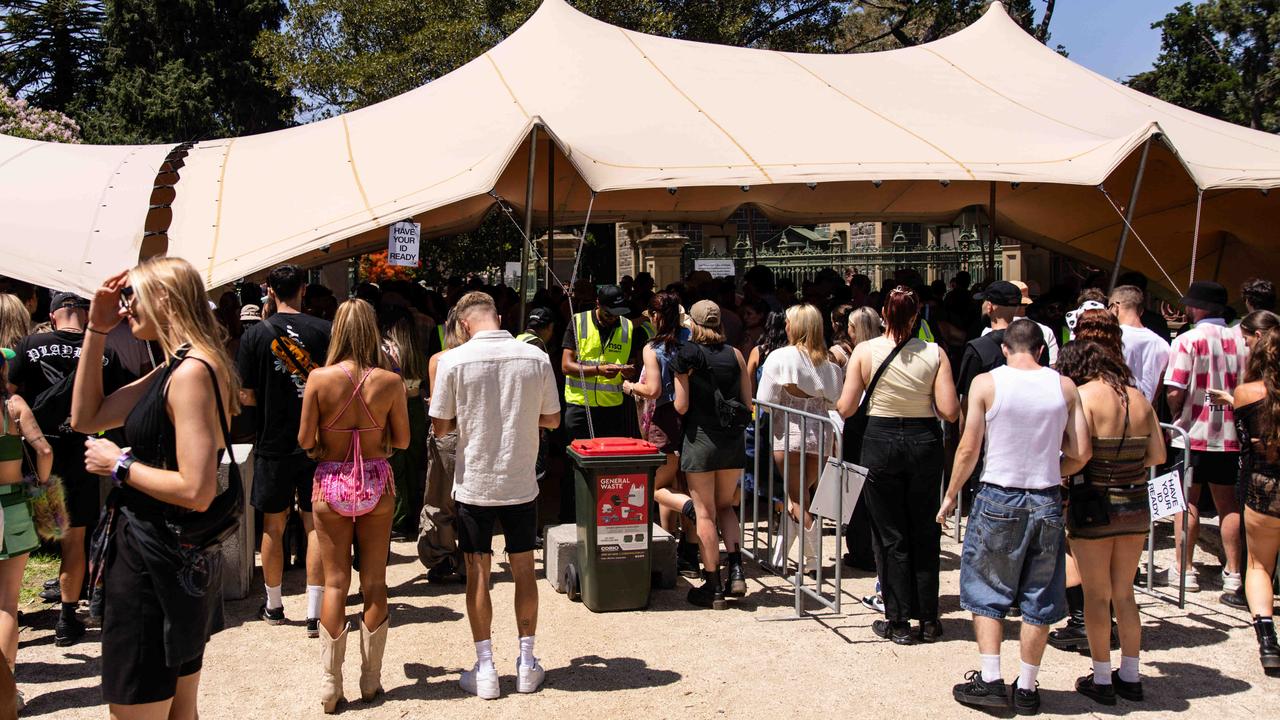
x: 613, y: 481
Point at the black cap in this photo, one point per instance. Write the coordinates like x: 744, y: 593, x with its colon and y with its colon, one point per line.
x: 67, y: 300
x: 540, y: 317
x: 1206, y: 295
x: 1002, y: 293
x: 610, y: 298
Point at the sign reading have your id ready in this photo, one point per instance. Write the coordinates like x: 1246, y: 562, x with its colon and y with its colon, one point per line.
x: 402, y: 244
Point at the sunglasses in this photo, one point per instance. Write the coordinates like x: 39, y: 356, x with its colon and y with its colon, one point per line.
x: 127, y: 297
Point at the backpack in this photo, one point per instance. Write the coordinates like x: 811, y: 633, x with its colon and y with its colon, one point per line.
x: 52, y: 407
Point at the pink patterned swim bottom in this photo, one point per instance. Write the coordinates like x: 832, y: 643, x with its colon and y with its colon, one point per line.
x: 352, y: 489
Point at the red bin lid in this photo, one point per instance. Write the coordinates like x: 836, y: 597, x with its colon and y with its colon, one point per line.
x: 605, y: 447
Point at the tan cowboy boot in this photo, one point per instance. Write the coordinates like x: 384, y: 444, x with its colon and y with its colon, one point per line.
x: 332, y: 652
x: 372, y: 643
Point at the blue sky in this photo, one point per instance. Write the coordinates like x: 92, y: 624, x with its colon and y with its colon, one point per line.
x: 1111, y: 37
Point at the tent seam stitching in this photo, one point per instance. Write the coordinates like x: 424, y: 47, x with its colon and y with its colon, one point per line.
x: 217, y: 216
x: 694, y: 103
x: 877, y: 113
x: 503, y: 79
x: 355, y: 172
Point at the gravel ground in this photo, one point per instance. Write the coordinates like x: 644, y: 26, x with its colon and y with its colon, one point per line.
x: 671, y: 661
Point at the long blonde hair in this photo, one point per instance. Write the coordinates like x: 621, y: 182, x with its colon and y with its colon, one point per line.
x: 804, y: 330
x: 865, y: 322
x: 355, y: 336
x: 15, y: 321
x: 452, y: 330
x: 170, y: 295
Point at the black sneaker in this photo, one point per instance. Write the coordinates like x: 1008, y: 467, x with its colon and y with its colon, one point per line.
x: 1234, y: 600
x: 898, y: 633
x: 313, y: 627
x: 1131, y: 691
x: 1070, y: 636
x: 50, y: 583
x: 51, y: 594
x: 930, y: 631
x: 67, y: 632
x: 271, y: 616
x: 974, y: 692
x: 1104, y: 694
x: 1026, y: 702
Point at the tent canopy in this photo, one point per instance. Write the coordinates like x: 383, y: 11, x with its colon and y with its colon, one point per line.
x: 805, y: 138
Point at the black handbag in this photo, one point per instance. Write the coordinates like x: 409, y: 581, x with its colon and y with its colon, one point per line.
x: 209, y: 529
x: 732, y: 413
x: 1088, y: 503
x: 856, y: 425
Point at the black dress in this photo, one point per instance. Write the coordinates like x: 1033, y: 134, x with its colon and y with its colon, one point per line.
x: 1259, y: 476
x: 707, y: 445
x: 161, y: 601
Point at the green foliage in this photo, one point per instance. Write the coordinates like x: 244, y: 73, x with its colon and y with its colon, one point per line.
x: 51, y: 51
x: 1220, y: 58
x: 186, y: 70
x: 873, y: 25
x: 344, y: 54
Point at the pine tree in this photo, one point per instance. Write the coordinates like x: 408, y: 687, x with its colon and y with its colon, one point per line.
x: 187, y: 71
x: 51, y: 52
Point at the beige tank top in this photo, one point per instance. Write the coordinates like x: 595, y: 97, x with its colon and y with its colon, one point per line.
x: 906, y: 389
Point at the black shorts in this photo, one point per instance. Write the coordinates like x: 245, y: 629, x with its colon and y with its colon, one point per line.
x: 1214, y: 468
x: 82, y: 488
x: 279, y: 479
x: 133, y: 659
x: 607, y: 421
x: 519, y: 527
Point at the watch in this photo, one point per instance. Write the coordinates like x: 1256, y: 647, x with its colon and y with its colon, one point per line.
x: 120, y: 474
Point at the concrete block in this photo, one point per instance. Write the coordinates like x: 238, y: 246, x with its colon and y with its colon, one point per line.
x: 560, y: 547
x: 237, y: 552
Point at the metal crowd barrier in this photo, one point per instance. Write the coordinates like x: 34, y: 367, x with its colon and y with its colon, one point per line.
x: 1186, y: 468
x: 830, y: 438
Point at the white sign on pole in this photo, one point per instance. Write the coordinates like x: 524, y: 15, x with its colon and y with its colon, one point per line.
x: 402, y: 244
x: 511, y: 276
x: 1165, y: 495
x: 718, y: 267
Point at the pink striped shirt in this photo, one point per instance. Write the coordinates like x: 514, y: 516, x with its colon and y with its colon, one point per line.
x: 1210, y: 355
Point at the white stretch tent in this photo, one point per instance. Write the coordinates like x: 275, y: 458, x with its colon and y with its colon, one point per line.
x: 631, y: 115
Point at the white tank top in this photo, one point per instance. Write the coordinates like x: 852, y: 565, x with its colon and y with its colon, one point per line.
x: 1024, y: 429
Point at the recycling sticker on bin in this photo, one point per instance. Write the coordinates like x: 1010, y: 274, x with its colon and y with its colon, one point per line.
x: 622, y: 516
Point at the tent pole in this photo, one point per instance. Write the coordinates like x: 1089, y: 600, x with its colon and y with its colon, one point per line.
x: 528, y: 222
x: 1128, y: 213
x: 991, y: 242
x: 551, y: 216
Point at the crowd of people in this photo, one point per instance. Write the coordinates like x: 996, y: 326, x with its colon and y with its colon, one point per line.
x: 438, y: 415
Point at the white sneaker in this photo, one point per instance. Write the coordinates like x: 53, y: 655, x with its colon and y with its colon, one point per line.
x: 1168, y: 577
x: 529, y: 679
x: 1231, y: 581
x: 481, y: 681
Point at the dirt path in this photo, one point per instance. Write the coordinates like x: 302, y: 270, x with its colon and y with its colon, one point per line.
x: 670, y: 661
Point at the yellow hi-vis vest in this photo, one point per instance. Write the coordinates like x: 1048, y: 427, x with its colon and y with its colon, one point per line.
x: 597, y: 390
x: 926, y: 332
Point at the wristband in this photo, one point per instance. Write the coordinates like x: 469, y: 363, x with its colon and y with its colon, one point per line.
x: 96, y: 332
x: 120, y: 473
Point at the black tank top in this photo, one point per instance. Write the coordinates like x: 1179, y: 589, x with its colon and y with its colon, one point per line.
x: 1253, y: 456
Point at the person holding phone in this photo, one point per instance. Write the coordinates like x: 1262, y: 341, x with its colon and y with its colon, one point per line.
x: 602, y: 348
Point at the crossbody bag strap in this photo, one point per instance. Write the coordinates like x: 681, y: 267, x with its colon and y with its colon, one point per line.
x: 217, y: 398
x: 288, y: 353
x: 875, y: 379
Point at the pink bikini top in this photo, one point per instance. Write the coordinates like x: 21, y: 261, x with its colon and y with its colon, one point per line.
x: 355, y: 395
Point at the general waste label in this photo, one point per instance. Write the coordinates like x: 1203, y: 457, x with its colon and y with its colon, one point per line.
x: 622, y: 516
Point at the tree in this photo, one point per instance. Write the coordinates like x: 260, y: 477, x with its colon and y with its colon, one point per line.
x: 51, y: 51
x: 1220, y: 58
x: 345, y: 54
x: 187, y: 71
x: 20, y: 119
x: 874, y: 25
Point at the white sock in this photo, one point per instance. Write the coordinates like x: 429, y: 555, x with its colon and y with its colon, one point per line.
x: 484, y: 652
x: 526, y: 652
x: 1027, y: 676
x: 990, y: 668
x: 273, y: 597
x: 314, y: 595
x: 1128, y: 669
x: 1102, y: 672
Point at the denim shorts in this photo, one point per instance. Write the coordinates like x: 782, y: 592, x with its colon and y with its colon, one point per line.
x: 1015, y: 554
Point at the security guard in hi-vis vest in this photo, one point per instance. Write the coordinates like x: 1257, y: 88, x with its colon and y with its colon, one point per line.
x: 538, y: 328
x: 601, y: 349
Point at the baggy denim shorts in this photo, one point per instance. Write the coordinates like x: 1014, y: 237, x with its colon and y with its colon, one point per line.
x: 1015, y: 554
